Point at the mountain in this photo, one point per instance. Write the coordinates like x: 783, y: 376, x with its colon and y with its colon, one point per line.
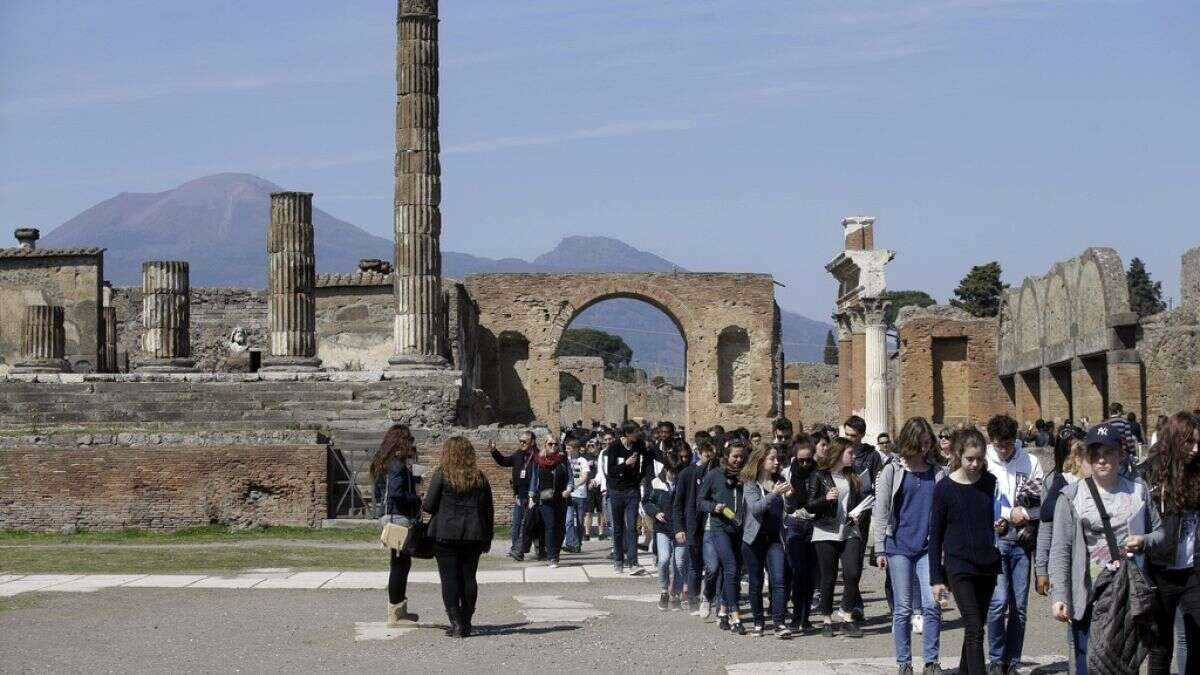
x: 218, y: 224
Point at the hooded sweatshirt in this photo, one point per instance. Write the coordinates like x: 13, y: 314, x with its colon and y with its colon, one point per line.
x: 1020, y: 468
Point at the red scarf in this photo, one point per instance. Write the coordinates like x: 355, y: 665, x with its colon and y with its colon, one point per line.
x: 549, y: 461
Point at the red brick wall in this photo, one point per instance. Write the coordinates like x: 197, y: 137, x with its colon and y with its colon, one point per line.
x: 108, y: 488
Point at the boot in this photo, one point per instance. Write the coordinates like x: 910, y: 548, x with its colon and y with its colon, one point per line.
x: 398, y: 615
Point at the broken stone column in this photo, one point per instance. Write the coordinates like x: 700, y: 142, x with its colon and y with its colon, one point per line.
x: 291, y: 284
x: 27, y: 238
x: 43, y: 341
x: 166, y: 317
x: 419, y: 323
x: 875, y: 369
x: 108, y: 333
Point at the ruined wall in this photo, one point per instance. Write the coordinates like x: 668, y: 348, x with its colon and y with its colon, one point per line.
x: 1169, y: 348
x: 947, y: 366
x: 589, y: 372
x: 355, y: 314
x: 215, y: 312
x: 529, y: 312
x: 810, y: 392
x: 110, y: 488
x: 1189, y: 278
x: 71, y: 278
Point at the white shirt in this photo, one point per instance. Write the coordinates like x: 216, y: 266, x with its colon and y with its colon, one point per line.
x: 1011, y: 475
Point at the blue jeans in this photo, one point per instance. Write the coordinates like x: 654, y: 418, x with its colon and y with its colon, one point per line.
x: 672, y: 563
x: 575, y: 511
x: 551, y: 512
x: 1006, y: 638
x: 904, y: 571
x: 712, y: 571
x: 730, y: 558
x: 624, y: 523
x: 1077, y: 643
x: 766, y: 555
x: 802, y: 572
x: 518, y: 519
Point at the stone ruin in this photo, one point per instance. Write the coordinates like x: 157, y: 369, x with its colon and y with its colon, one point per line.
x: 173, y: 405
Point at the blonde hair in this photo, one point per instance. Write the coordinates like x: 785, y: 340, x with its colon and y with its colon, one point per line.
x: 458, y: 464
x: 1076, y: 454
x: 754, y: 465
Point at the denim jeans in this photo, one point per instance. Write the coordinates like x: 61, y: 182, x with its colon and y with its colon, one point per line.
x: 1077, y: 643
x: 518, y: 519
x: 1006, y: 638
x: 712, y: 571
x: 625, y: 514
x: 903, y: 571
x: 728, y: 550
x: 551, y: 512
x: 575, y: 512
x: 802, y: 573
x: 672, y: 563
x: 765, y: 554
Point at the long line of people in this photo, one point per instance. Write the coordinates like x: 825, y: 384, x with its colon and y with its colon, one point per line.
x: 947, y: 513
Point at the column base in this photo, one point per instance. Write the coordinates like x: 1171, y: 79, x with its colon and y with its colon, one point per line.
x: 167, y: 366
x: 293, y: 364
x: 41, y: 366
x: 417, y: 362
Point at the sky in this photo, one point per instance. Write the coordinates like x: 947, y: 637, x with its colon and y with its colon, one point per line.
x: 725, y: 135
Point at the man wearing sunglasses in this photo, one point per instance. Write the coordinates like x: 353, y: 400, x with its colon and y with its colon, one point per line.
x: 521, y: 463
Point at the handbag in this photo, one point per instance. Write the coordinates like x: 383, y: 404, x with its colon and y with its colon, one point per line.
x: 419, y: 544
x: 396, y: 528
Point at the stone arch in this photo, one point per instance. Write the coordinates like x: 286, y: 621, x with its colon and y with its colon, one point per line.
x: 1029, y: 325
x: 1059, y: 312
x: 513, y: 376
x: 1091, y: 305
x: 733, y: 356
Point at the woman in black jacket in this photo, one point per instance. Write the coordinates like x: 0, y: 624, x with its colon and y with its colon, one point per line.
x: 548, y: 493
x: 397, y: 502
x: 460, y: 501
x: 720, y: 496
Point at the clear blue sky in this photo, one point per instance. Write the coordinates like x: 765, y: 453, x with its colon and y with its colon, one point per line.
x: 725, y: 135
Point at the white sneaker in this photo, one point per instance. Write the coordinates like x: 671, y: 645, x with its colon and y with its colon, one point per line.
x: 705, y: 610
x: 553, y: 565
x: 918, y: 623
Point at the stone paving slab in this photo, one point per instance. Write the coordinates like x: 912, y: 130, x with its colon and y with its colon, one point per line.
x: 861, y: 666
x: 299, y: 580
x: 424, y: 578
x: 500, y: 577
x: 228, y: 582
x: 364, y: 631
x: 34, y: 582
x: 5, y: 578
x: 165, y: 581
x: 373, y: 580
x: 93, y: 582
x: 560, y: 575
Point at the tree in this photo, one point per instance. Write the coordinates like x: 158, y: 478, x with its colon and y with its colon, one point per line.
x: 979, y: 292
x: 1145, y: 296
x: 901, y: 299
x: 831, y: 352
x: 591, y: 342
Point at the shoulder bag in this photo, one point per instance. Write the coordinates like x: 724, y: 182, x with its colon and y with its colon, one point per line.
x: 396, y: 528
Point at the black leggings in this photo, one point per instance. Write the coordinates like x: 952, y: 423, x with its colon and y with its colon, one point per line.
x: 398, y: 577
x: 850, y: 553
x: 457, y: 563
x: 1173, y: 590
x: 972, y: 594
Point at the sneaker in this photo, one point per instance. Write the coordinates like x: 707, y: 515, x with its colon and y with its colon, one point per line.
x: 759, y: 630
x: 723, y: 622
x: 995, y: 668
x: 675, y: 603
x: 737, y: 628
x: 636, y: 570
x: 905, y: 669
x: 851, y: 629
x: 783, y: 632
x: 827, y: 630
x: 918, y: 623
x: 705, y: 610
x: 516, y: 555
x: 693, y: 607
x: 617, y: 569
x: 553, y: 564
x: 931, y: 669
x: 663, y: 602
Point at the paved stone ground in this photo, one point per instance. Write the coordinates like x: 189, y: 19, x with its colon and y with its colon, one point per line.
x: 601, y: 625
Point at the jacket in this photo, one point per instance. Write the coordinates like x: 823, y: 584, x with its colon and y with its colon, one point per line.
x: 824, y: 510
x: 887, y: 496
x: 460, y: 516
x: 1122, y: 627
x: 760, y: 505
x: 868, y: 461
x: 521, y: 462
x: 401, y: 487
x: 1162, y: 557
x: 557, y: 479
x: 1051, y: 491
x: 715, y: 490
x: 658, y: 496
x: 621, y: 476
x: 684, y: 514
x: 1070, y: 577
x: 1010, y: 476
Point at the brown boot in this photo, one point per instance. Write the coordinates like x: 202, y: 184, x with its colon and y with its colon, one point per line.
x: 398, y: 615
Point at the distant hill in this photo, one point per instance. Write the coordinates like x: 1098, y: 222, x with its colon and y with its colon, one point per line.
x: 218, y: 224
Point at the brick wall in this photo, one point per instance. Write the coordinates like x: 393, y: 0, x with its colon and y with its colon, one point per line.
x: 162, y: 487
x: 810, y: 393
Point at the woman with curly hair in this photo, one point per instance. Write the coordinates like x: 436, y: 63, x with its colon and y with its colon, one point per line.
x: 1173, y: 471
x: 397, y: 502
x: 460, y: 503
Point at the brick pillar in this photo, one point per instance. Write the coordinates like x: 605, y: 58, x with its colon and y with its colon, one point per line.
x: 1125, y: 381
x: 1028, y: 405
x: 1056, y: 393
x: 291, y: 284
x: 43, y: 341
x: 845, y: 349
x: 419, y: 325
x: 858, y: 392
x: 166, y: 317
x: 1087, y: 394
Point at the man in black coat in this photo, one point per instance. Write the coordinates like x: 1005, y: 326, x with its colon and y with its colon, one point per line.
x: 689, y: 522
x: 522, y: 465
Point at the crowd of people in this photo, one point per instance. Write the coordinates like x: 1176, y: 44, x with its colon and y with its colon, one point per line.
x: 949, y: 513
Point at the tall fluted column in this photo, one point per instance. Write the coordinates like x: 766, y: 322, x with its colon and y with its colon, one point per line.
x: 166, y: 317
x: 874, y: 310
x: 291, y: 283
x: 420, y: 323
x: 43, y: 341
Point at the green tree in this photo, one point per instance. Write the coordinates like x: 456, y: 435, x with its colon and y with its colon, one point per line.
x: 1145, y: 295
x: 901, y: 299
x: 980, y: 291
x: 831, y: 353
x: 592, y: 342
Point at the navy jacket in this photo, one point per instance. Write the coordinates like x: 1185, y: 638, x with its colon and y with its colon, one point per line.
x: 684, y: 514
x: 659, y: 497
x: 401, y: 487
x: 715, y: 490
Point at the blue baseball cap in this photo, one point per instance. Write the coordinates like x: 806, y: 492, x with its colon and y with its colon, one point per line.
x: 1105, y: 434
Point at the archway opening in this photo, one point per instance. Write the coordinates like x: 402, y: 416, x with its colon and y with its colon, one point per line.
x: 630, y: 359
